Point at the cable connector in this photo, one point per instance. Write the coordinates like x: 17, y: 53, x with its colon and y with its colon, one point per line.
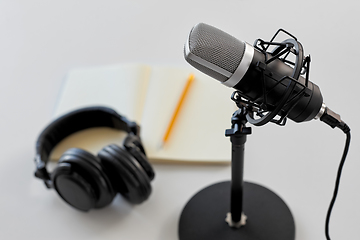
x: 333, y: 120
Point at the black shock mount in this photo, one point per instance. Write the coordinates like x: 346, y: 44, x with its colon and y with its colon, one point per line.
x: 258, y: 113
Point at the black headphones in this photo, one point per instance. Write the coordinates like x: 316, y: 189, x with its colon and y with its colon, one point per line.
x: 86, y: 181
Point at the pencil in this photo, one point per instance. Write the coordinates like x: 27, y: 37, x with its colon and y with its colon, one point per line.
x: 177, y: 109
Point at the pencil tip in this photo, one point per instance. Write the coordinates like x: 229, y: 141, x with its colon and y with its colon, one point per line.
x: 161, y: 145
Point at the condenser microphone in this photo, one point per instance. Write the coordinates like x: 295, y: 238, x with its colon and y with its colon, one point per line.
x: 245, y: 68
x: 267, y: 83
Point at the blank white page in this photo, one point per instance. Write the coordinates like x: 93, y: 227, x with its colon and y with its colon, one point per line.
x: 121, y: 87
x: 198, y: 133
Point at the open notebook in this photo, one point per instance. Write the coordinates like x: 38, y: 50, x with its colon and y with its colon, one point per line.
x: 148, y: 95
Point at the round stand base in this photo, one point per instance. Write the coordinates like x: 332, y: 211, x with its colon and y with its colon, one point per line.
x: 204, y: 215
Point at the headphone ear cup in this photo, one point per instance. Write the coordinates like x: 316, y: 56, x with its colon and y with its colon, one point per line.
x: 133, y: 144
x: 126, y: 174
x: 80, y: 180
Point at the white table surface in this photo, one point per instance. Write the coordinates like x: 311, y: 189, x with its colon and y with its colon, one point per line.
x: 40, y: 41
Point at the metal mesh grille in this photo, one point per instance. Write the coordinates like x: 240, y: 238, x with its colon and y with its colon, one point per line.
x: 216, y: 46
x: 206, y: 70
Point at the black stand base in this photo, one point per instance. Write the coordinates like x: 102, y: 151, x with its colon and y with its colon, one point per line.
x: 204, y: 215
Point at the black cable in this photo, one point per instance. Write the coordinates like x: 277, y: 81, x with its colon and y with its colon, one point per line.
x: 346, y: 149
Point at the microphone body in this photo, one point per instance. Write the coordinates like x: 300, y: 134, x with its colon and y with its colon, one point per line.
x: 236, y: 64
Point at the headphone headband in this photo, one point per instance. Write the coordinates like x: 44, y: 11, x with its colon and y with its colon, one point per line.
x: 72, y: 122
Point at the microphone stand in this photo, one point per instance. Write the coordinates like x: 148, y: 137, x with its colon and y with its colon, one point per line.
x: 267, y: 215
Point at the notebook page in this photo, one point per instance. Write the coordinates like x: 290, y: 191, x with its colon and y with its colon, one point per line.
x: 121, y: 87
x: 198, y: 133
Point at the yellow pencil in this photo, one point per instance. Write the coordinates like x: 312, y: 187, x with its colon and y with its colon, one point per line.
x: 177, y: 109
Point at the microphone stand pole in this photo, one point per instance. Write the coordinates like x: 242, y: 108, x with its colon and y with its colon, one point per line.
x: 237, y: 135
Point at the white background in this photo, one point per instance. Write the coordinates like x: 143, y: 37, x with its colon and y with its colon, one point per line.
x: 40, y: 41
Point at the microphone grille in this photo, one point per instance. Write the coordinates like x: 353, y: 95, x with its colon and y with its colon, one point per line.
x: 215, y: 46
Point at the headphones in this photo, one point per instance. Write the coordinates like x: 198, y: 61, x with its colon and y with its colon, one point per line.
x: 86, y: 181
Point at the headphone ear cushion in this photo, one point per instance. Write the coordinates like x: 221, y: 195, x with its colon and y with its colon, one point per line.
x: 133, y: 144
x: 74, y: 188
x: 82, y: 170
x: 126, y: 174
